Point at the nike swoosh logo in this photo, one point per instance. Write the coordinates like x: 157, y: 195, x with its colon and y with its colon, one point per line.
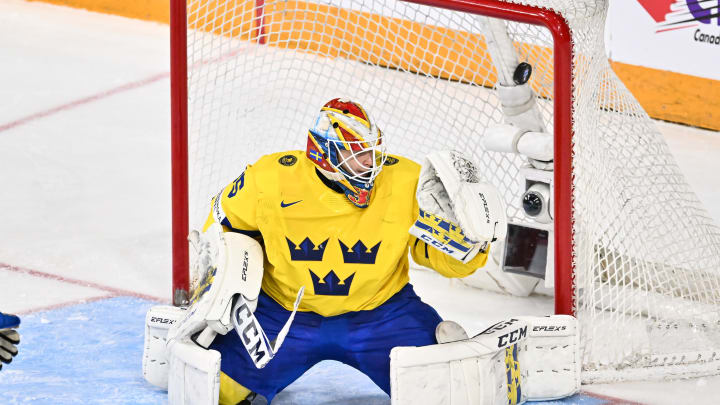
x: 283, y: 205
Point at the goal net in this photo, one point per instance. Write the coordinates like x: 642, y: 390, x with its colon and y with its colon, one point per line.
x: 640, y: 257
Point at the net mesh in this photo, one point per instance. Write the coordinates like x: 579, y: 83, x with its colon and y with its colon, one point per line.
x: 646, y: 253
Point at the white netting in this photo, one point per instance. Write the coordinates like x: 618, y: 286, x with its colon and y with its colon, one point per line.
x: 646, y: 253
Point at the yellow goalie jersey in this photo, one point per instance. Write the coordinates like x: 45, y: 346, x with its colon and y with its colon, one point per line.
x: 348, y: 258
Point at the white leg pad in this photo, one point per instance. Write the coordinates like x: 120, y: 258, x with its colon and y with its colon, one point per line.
x: 464, y: 378
x: 550, y: 358
x: 467, y: 372
x: 194, y: 376
x: 158, y: 321
x: 524, y: 358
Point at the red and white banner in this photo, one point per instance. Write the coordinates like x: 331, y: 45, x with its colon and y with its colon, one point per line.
x: 677, y: 35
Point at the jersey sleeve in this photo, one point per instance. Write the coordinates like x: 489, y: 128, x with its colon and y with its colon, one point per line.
x: 235, y: 206
x: 446, y: 265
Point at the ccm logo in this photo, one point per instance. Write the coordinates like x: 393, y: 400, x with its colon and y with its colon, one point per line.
x: 512, y: 337
x: 156, y: 319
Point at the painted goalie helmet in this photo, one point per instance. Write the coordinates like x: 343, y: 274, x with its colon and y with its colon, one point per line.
x: 348, y: 148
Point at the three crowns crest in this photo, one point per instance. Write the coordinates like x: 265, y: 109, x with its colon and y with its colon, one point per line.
x: 359, y: 253
x: 331, y: 284
x: 306, y: 250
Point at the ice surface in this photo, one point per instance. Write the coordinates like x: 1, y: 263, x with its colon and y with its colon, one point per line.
x: 85, y: 353
x: 92, y: 354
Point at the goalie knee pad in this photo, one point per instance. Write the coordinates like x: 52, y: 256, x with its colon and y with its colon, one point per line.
x: 449, y: 331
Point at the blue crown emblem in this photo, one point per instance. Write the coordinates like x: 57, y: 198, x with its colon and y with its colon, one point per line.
x: 331, y: 285
x: 306, y: 251
x: 359, y: 253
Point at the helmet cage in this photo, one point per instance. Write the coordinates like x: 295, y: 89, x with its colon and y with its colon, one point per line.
x: 351, y: 166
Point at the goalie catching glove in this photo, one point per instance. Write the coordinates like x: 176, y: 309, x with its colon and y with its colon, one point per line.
x: 459, y: 214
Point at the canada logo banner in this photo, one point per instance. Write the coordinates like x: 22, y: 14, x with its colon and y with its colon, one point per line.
x: 670, y: 15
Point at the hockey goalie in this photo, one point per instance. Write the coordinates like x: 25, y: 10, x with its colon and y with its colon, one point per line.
x: 304, y: 258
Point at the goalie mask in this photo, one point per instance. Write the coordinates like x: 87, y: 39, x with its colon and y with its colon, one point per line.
x: 347, y: 147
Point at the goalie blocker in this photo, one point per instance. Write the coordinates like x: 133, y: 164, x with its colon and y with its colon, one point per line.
x: 522, y: 359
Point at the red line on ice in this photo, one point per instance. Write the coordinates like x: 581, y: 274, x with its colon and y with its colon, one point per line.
x: 116, y: 90
x: 112, y: 290
x: 612, y: 400
x: 65, y: 304
x: 84, y: 100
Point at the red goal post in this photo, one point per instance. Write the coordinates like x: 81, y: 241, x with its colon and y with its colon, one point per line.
x: 179, y: 152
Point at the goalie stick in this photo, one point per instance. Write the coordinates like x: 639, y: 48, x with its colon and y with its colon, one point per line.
x: 256, y: 342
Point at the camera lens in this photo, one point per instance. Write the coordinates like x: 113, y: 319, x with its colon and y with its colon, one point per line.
x: 532, y: 203
x: 537, y: 203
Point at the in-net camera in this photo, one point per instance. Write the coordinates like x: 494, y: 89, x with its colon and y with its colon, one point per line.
x: 529, y: 241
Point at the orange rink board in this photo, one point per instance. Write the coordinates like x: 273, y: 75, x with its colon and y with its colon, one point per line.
x: 665, y: 95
